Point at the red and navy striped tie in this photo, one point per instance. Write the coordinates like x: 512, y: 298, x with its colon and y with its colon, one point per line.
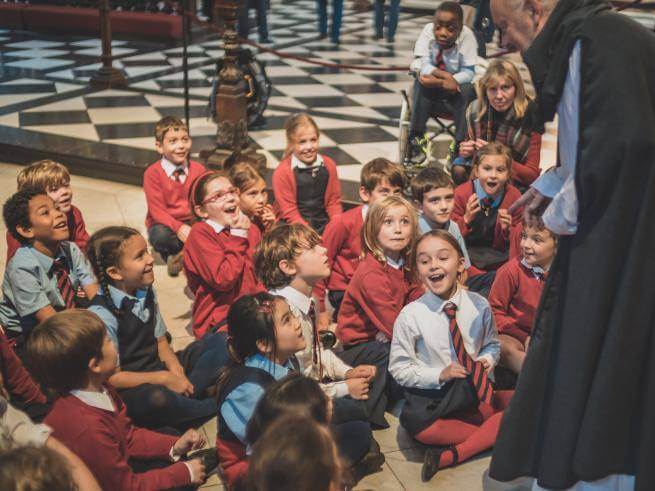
x: 476, y: 369
x: 60, y: 270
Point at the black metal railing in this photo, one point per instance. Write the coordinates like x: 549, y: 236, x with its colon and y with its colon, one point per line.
x: 162, y: 6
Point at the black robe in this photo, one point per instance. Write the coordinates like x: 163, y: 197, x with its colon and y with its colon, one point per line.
x: 585, y: 402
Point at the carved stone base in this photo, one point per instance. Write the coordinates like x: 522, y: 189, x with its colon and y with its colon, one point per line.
x: 214, y: 159
x: 108, y: 77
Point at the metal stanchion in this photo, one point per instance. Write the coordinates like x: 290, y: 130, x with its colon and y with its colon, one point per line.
x: 107, y: 76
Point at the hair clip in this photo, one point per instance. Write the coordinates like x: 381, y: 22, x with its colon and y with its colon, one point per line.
x: 266, y: 306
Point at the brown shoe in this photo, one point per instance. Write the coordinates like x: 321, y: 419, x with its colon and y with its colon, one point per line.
x: 174, y: 264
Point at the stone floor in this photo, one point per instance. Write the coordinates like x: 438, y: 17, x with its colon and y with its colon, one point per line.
x: 107, y: 203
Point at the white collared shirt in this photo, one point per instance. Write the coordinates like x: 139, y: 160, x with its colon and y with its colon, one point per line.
x: 364, y: 212
x: 297, y: 163
x: 100, y: 400
x: 169, y: 167
x: 395, y: 264
x: 460, y: 59
x: 422, y: 345
x: 218, y: 228
x: 536, y: 270
x: 333, y: 367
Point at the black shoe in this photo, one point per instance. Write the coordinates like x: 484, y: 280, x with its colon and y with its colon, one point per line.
x: 371, y: 462
x: 266, y: 40
x: 415, y: 156
x: 431, y: 461
x: 209, y: 458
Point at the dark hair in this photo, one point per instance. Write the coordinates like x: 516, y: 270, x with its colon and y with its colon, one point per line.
x: 104, y: 250
x: 437, y: 234
x: 295, y: 454
x: 59, y: 349
x: 16, y: 212
x: 198, y: 189
x: 168, y: 123
x: 244, y: 175
x: 32, y: 468
x: 428, y: 179
x: 454, y: 8
x: 375, y: 171
x: 294, y: 393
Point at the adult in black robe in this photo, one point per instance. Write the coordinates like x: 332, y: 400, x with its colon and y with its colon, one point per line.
x: 584, y: 407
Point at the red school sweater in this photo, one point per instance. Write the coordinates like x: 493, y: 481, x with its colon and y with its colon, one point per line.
x: 16, y: 379
x: 514, y: 298
x: 76, y: 227
x: 284, y: 189
x: 375, y: 296
x: 501, y: 238
x: 342, y: 240
x: 219, y: 270
x: 167, y: 199
x: 105, y: 440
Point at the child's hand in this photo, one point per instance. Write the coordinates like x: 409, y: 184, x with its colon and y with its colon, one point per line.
x: 243, y: 222
x: 448, y: 82
x: 505, y: 219
x: 466, y: 149
x: 358, y: 388
x: 191, y: 440
x: 179, y: 384
x: 183, y: 232
x: 472, y: 209
x: 267, y: 216
x: 479, y: 143
x: 485, y: 363
x: 197, y: 471
x: 452, y: 371
x: 362, y: 371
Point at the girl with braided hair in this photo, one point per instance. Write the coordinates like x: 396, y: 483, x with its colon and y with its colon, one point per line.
x: 159, y: 387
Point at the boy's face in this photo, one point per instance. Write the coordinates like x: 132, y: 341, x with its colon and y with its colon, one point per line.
x: 447, y: 29
x: 538, y: 247
x: 48, y: 225
x: 312, y: 264
x: 175, y: 146
x: 438, y: 204
x: 382, y: 190
x: 493, y: 174
x: 62, y: 196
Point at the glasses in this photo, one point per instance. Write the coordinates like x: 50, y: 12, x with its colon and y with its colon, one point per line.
x: 221, y: 196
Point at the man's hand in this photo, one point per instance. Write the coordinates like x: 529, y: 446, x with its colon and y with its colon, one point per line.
x: 191, y: 440
x: 535, y: 204
x: 183, y: 232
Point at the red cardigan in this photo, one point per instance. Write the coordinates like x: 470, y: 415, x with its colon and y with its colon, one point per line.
x: 514, y: 298
x: 167, y: 199
x: 76, y: 227
x: 342, y: 240
x: 525, y: 173
x: 501, y: 238
x: 219, y: 270
x: 284, y: 189
x: 105, y: 440
x: 375, y: 296
x: 16, y: 379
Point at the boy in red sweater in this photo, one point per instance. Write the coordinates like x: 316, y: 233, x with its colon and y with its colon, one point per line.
x: 516, y: 293
x: 166, y: 184
x: 379, y: 178
x: 72, y: 354
x: 52, y: 178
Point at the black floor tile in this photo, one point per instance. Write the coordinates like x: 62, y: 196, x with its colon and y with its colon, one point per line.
x: 361, y: 88
x: 27, y: 88
x: 329, y: 101
x: 53, y: 117
x: 124, y: 130
x: 118, y: 101
x: 339, y: 156
x: 359, y: 135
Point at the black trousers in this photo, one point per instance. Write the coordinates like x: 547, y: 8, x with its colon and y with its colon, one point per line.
x: 164, y: 240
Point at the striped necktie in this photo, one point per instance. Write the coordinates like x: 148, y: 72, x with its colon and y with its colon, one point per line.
x: 64, y: 285
x: 476, y: 369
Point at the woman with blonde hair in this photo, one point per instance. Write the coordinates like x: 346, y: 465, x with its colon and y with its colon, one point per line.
x: 503, y: 113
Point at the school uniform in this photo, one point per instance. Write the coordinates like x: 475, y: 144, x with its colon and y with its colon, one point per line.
x: 422, y: 347
x: 342, y: 240
x: 167, y: 189
x: 309, y: 194
x: 33, y: 281
x: 515, y: 296
x: 95, y: 427
x: 76, y: 227
x: 488, y: 244
x: 218, y: 267
x: 18, y: 430
x: 135, y: 334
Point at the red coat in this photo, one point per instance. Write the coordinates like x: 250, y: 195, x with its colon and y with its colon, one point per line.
x: 374, y: 298
x: 514, y: 298
x: 284, y: 189
x: 526, y: 172
x: 76, y: 227
x: 105, y: 440
x: 501, y: 238
x: 342, y: 240
x: 15, y: 378
x: 219, y: 270
x: 167, y: 199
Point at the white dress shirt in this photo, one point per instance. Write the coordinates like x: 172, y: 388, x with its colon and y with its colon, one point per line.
x: 169, y: 167
x: 218, y: 228
x: 558, y: 183
x: 422, y: 347
x: 296, y: 162
x: 333, y: 367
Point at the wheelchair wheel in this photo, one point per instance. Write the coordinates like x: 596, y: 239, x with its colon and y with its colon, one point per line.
x: 404, y: 124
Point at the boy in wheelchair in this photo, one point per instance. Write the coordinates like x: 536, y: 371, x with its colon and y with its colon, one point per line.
x: 445, y: 55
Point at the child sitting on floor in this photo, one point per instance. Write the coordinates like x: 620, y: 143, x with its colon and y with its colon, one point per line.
x: 516, y: 293
x: 72, y: 353
x: 166, y: 184
x: 443, y: 351
x: 46, y: 272
x: 53, y: 179
x: 305, y: 183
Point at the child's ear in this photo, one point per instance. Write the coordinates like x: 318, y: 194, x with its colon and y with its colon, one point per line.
x: 264, y: 346
x: 159, y: 147
x: 287, y: 267
x: 418, y: 205
x: 461, y: 266
x: 25, y: 232
x: 364, y: 195
x: 200, y: 211
x: 94, y: 365
x: 114, y: 274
